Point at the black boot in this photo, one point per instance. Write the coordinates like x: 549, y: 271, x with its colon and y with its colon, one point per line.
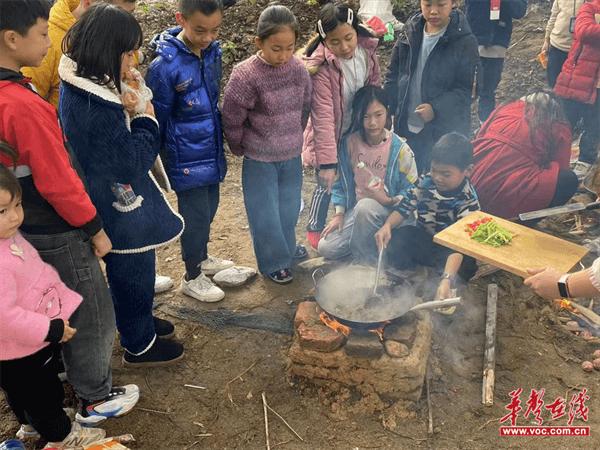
x: 164, y: 328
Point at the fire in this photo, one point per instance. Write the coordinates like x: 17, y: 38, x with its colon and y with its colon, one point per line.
x: 379, y: 331
x: 334, y: 324
x: 565, y: 304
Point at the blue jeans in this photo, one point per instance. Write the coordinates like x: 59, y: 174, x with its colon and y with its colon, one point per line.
x: 272, y: 193
x: 87, y: 356
x: 487, y: 83
x: 198, y: 207
x: 131, y: 281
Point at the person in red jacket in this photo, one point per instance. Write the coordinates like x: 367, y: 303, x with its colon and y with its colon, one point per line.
x: 521, y: 157
x: 579, y: 84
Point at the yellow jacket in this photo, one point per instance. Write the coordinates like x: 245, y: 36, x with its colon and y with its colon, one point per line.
x: 45, y: 76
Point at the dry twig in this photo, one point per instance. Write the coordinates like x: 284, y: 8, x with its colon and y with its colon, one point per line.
x: 243, y: 373
x: 487, y: 423
x: 264, y: 401
x: 154, y: 411
x: 286, y: 424
x: 193, y: 386
x: 192, y: 445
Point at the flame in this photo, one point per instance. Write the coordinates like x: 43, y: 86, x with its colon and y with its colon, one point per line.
x: 334, y: 324
x: 379, y: 331
x: 565, y: 304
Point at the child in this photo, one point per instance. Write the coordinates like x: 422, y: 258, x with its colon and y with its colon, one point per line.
x: 341, y: 59
x: 34, y: 311
x: 442, y: 197
x: 63, y: 16
x: 116, y: 147
x: 265, y: 110
x: 493, y: 28
x: 185, y: 78
x: 559, y: 36
x: 376, y: 168
x: 522, y: 157
x: 430, y: 77
x: 579, y: 84
x: 60, y: 220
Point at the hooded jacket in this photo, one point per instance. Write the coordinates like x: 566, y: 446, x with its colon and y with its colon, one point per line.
x: 513, y: 172
x: 493, y: 32
x: 54, y: 197
x: 447, y: 77
x: 580, y: 74
x: 45, y: 76
x: 323, y: 131
x: 186, y: 94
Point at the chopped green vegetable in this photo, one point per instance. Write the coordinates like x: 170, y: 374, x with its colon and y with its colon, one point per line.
x: 491, y: 233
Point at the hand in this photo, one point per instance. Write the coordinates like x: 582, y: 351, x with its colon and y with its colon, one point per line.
x: 130, y: 101
x: 383, y: 236
x: 150, y: 109
x: 377, y: 192
x: 101, y: 244
x: 336, y: 223
x: 68, y: 332
x: 545, y: 46
x: 425, y: 111
x: 443, y: 290
x: 327, y: 178
x: 544, y: 282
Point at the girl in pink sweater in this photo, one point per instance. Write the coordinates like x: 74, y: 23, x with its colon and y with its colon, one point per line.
x: 265, y: 109
x: 35, y: 307
x: 341, y: 59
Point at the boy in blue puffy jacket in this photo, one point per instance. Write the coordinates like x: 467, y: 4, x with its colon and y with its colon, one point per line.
x: 185, y: 78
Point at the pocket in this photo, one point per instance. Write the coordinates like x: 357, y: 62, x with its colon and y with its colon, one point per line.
x: 62, y: 260
x: 49, y: 304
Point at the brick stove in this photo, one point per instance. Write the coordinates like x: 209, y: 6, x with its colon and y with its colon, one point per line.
x: 393, y: 364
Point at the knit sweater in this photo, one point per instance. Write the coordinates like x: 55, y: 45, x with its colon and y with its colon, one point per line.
x: 266, y: 108
x: 33, y: 298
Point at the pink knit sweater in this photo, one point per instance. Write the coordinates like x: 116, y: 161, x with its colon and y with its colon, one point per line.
x: 31, y: 294
x: 265, y: 109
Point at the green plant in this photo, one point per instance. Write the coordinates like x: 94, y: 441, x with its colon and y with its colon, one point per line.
x: 230, y: 51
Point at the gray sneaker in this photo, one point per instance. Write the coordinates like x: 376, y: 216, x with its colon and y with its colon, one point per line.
x: 202, y: 288
x: 212, y: 265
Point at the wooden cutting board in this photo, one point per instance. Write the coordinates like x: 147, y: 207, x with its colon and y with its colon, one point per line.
x: 529, y: 248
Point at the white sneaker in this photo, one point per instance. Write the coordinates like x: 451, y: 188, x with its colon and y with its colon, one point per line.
x: 201, y: 288
x: 162, y: 284
x: 581, y: 169
x: 212, y: 265
x: 120, y: 400
x: 78, y: 437
x: 27, y: 433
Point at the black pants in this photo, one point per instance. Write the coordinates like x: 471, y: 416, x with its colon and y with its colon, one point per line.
x: 487, y: 83
x: 421, y: 145
x: 566, y: 186
x: 413, y: 246
x: 590, y: 117
x: 35, y: 394
x: 198, y: 207
x: 556, y: 59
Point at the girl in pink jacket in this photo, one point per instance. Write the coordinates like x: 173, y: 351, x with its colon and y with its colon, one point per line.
x: 341, y: 58
x: 35, y: 307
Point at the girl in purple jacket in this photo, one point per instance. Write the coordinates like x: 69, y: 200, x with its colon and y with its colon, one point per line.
x: 341, y: 59
x: 35, y: 307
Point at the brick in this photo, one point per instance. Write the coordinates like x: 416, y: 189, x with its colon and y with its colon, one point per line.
x: 401, y: 332
x: 308, y: 313
x: 318, y: 337
x: 364, y: 346
x: 395, y: 349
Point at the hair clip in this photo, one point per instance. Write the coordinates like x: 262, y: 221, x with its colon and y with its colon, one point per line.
x: 320, y: 28
x: 350, y: 18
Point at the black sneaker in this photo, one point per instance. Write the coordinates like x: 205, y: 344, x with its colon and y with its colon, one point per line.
x: 283, y: 276
x: 301, y: 252
x: 162, y: 353
x: 164, y: 328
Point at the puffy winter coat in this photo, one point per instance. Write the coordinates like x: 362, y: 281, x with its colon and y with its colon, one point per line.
x: 493, y: 32
x: 578, y: 79
x: 514, y: 172
x: 115, y: 153
x: 186, y: 94
x: 323, y: 132
x: 447, y: 77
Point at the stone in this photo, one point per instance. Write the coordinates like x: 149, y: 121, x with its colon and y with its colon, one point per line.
x: 308, y: 313
x: 234, y: 276
x: 311, y: 264
x: 401, y: 332
x: 319, y: 337
x: 395, y: 349
x: 363, y: 346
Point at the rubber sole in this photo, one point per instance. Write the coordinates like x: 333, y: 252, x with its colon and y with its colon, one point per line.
x: 151, y: 363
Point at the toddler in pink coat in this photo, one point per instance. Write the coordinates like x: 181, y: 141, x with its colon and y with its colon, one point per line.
x: 35, y: 307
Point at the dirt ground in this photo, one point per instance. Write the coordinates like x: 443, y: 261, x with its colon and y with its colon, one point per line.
x: 533, y: 350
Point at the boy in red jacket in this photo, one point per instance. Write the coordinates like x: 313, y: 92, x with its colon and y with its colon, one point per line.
x: 60, y: 220
x: 579, y: 84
